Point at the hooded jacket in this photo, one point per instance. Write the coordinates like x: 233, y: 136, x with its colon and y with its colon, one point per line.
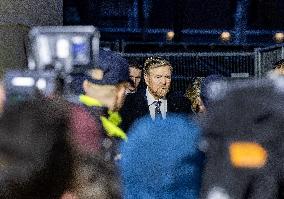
x: 161, y: 159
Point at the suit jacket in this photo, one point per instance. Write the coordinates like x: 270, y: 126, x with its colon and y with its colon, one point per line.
x: 136, y: 106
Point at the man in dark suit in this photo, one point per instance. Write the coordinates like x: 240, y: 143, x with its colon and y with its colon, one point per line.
x: 156, y: 100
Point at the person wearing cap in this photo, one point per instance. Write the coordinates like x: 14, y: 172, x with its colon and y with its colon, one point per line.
x: 103, y: 89
x: 155, y: 100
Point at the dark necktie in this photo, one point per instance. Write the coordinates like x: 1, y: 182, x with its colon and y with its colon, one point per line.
x: 158, y: 113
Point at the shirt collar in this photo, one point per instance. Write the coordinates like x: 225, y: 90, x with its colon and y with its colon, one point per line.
x: 151, y: 99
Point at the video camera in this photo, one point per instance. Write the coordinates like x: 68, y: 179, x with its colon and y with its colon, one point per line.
x: 56, y: 53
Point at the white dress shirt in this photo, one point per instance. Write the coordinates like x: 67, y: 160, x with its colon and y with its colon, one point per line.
x: 151, y: 105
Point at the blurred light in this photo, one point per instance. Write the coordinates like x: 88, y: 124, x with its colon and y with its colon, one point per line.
x: 170, y: 35
x: 68, y: 47
x: 78, y: 40
x: 80, y: 49
x: 62, y: 48
x: 43, y: 49
x: 279, y: 37
x: 225, y: 36
x: 41, y: 84
x: 23, y: 81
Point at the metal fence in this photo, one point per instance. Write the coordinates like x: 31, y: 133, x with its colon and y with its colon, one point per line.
x: 266, y: 57
x: 255, y: 63
x: 189, y: 65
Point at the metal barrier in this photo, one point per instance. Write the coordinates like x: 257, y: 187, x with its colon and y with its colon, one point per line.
x: 266, y: 57
x: 201, y: 64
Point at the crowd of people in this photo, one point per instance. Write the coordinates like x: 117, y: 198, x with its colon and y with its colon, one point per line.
x: 126, y: 135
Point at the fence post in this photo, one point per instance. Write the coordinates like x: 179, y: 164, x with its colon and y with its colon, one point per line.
x: 257, y: 63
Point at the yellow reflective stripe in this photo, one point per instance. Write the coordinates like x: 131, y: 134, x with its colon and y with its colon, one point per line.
x: 115, y: 118
x: 111, y: 123
x: 112, y: 130
x: 89, y: 101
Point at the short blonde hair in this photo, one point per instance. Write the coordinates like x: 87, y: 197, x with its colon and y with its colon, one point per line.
x: 155, y: 62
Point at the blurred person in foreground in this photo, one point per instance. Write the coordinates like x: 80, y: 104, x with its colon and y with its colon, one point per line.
x: 94, y: 115
x: 161, y: 159
x: 36, y: 160
x: 135, y: 75
x: 94, y: 128
x: 156, y: 100
x: 244, y: 134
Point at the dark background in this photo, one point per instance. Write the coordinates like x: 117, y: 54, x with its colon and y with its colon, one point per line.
x: 250, y: 22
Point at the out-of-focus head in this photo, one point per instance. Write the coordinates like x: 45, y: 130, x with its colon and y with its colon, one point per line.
x: 34, y: 152
x: 209, y: 87
x: 161, y: 160
x: 157, y: 75
x: 107, y: 81
x: 247, y: 106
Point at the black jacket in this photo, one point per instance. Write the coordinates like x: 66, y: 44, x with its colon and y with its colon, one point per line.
x: 136, y: 106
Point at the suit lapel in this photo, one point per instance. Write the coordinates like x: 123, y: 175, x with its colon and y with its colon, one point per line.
x: 170, y: 104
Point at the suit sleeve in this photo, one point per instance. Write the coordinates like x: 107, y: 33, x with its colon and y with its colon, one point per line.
x: 126, y: 114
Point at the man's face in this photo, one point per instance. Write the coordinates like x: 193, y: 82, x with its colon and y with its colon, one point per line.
x: 158, y: 81
x: 135, y: 76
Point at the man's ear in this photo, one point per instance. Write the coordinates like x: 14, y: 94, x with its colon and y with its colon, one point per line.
x: 85, y: 85
x: 146, y: 78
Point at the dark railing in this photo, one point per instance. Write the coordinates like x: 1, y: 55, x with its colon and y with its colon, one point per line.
x: 189, y: 65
